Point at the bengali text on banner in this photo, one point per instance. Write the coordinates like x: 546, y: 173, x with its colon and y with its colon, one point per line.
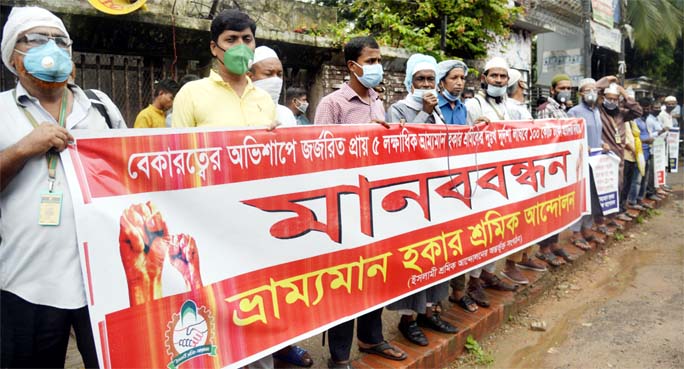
x: 212, y: 248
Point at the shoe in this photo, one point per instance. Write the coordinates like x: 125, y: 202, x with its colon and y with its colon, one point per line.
x: 617, y: 225
x: 515, y: 276
x: 294, y: 355
x: 645, y: 205
x: 603, y: 229
x: 334, y: 365
x: 666, y: 188
x: 549, y: 258
x: 477, y: 293
x: 530, y: 264
x: 562, y: 253
x: 494, y: 282
x: 435, y: 323
x: 412, y: 333
x: 636, y: 207
x: 624, y: 217
x: 654, y: 197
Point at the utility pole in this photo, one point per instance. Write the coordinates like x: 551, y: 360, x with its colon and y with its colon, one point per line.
x: 586, y: 22
x: 442, y: 41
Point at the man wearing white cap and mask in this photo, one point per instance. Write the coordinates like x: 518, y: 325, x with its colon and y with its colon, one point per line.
x: 673, y: 109
x: 419, y: 104
x: 516, y: 96
x: 43, y: 294
x: 267, y: 74
x: 489, y: 104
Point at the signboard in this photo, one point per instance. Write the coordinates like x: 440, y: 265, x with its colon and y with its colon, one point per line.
x: 214, y: 247
x: 608, y: 38
x: 673, y: 149
x: 602, y: 12
x: 659, y: 152
x: 606, y: 167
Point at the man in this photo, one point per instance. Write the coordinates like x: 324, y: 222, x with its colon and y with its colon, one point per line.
x: 267, y: 74
x: 468, y: 93
x: 673, y: 110
x: 357, y: 102
x: 43, y: 295
x: 554, y: 108
x: 154, y: 116
x: 613, y: 117
x: 656, y: 129
x: 419, y: 107
x: 227, y: 97
x: 451, y: 76
x: 587, y: 109
x: 517, y: 89
x: 489, y: 105
x: 518, y: 111
x: 298, y: 104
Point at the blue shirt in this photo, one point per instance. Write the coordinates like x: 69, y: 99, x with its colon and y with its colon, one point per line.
x: 593, y: 123
x: 457, y: 115
x: 644, y: 134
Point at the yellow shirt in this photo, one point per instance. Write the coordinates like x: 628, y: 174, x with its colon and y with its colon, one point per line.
x: 212, y: 102
x: 150, y: 117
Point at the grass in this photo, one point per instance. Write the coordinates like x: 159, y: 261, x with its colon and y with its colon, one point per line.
x: 481, y: 356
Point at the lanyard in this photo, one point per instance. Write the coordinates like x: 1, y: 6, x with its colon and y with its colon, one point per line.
x: 52, y: 156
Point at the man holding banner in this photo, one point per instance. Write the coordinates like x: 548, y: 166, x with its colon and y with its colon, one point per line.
x: 43, y: 294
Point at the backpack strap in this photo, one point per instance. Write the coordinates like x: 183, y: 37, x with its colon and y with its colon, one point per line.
x: 97, y: 104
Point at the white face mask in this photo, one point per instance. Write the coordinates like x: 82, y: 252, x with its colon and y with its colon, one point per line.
x: 272, y: 85
x: 496, y: 91
x: 302, y: 107
x: 419, y: 93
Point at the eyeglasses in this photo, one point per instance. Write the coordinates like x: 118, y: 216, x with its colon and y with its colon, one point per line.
x: 38, y: 39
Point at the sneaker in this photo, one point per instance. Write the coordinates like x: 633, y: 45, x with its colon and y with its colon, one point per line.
x: 515, y: 276
x: 530, y: 264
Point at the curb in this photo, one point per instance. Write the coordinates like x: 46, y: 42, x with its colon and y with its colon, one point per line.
x: 446, y: 348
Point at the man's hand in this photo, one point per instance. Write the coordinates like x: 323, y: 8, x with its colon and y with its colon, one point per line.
x: 429, y: 103
x: 184, y: 257
x: 141, y: 244
x: 605, y: 148
x: 482, y: 119
x: 380, y: 122
x: 273, y: 125
x: 44, y: 138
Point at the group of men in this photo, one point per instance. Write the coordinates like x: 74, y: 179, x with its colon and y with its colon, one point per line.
x: 43, y: 295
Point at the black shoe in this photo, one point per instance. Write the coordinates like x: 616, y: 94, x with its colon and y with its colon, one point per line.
x: 334, y: 365
x: 435, y: 323
x: 412, y: 333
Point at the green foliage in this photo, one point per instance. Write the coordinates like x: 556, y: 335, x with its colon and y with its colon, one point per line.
x: 640, y: 219
x: 481, y: 356
x: 619, y: 236
x: 654, y: 21
x: 416, y: 24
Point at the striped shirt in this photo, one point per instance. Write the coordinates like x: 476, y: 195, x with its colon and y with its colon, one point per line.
x: 345, y: 106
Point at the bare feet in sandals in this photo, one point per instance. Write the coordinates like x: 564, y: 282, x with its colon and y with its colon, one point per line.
x: 384, y: 349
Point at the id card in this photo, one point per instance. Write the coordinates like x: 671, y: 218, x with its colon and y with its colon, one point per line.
x: 50, y: 209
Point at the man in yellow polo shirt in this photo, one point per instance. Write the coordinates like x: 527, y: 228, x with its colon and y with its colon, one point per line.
x: 227, y: 97
x: 154, y: 116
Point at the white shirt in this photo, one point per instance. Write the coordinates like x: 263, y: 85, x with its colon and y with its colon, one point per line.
x: 285, y: 116
x: 518, y: 110
x: 665, y: 119
x: 41, y: 263
x: 478, y: 106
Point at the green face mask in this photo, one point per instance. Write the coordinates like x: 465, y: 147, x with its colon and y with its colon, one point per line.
x: 237, y: 59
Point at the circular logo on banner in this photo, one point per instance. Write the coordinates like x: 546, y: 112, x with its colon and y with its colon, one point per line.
x: 117, y: 7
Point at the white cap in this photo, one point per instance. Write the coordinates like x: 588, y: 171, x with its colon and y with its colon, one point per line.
x: 21, y: 20
x: 585, y: 82
x: 612, y: 89
x: 263, y: 53
x: 496, y: 62
x: 513, y: 77
x: 670, y: 99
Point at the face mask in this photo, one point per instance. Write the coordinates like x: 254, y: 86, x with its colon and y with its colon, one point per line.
x: 419, y: 93
x: 238, y: 59
x: 48, y: 63
x: 609, y: 105
x: 669, y: 108
x: 495, y: 91
x: 372, y: 75
x: 590, y: 98
x: 302, y: 107
x: 563, y: 96
x: 447, y: 95
x: 272, y: 85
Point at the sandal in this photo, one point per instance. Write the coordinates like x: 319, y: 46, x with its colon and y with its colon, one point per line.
x: 597, y: 240
x: 294, y: 355
x: 380, y: 348
x: 617, y: 225
x: 581, y: 244
x: 562, y: 253
x: 603, y: 229
x: 550, y: 258
x: 465, y: 302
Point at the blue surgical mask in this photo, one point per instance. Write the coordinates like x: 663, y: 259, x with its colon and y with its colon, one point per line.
x: 48, y: 63
x: 447, y: 95
x: 609, y: 105
x: 372, y: 75
x: 496, y: 91
x: 419, y: 93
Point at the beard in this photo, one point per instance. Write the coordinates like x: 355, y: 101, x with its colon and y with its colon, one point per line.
x: 22, y: 72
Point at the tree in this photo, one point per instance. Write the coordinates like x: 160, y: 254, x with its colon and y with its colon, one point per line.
x: 416, y: 25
